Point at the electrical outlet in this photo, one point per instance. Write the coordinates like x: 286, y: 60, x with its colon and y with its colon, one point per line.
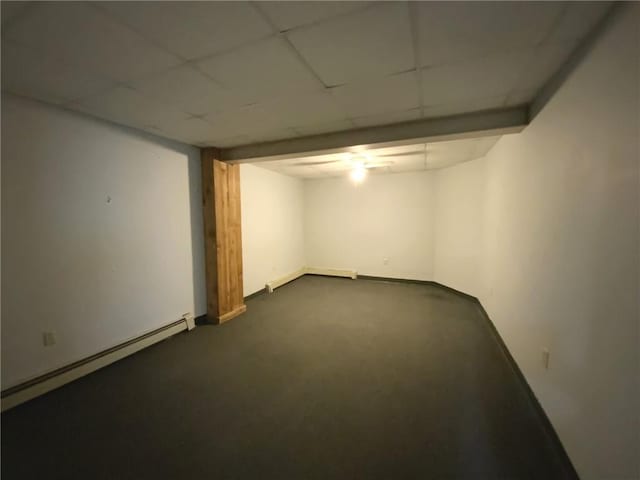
x: 545, y: 358
x: 385, y: 261
x: 48, y: 338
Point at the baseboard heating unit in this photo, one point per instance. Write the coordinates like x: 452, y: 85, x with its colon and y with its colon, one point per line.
x: 42, y: 384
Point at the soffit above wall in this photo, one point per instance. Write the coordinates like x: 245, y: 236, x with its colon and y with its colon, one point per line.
x: 235, y: 73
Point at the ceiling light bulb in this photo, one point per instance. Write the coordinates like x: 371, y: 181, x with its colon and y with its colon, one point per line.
x: 358, y: 174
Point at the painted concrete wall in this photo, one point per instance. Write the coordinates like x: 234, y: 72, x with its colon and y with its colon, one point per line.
x: 358, y: 227
x: 551, y: 245
x: 101, y: 236
x: 272, y: 226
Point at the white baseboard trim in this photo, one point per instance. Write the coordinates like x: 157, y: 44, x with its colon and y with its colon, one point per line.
x: 25, y: 391
x: 332, y: 272
x: 273, y: 284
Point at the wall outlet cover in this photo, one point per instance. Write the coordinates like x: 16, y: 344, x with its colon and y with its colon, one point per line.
x: 48, y: 338
x: 545, y: 358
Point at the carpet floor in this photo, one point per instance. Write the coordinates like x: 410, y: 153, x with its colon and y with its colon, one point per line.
x: 326, y: 378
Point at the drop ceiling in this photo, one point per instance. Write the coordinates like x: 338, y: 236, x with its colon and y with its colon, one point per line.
x: 406, y: 158
x: 234, y: 73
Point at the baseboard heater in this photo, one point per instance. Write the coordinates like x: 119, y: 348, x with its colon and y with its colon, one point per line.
x: 331, y: 272
x: 42, y: 384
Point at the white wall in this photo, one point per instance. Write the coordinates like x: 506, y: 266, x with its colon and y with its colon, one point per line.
x: 96, y: 273
x: 272, y: 226
x: 357, y: 227
x: 545, y: 231
x: 458, y: 225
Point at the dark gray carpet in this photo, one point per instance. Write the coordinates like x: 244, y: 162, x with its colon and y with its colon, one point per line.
x: 326, y: 379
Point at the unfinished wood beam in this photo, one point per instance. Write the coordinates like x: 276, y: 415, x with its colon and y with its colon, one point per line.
x: 222, y: 237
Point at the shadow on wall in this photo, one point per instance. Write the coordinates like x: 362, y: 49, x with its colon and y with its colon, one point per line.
x: 197, y: 235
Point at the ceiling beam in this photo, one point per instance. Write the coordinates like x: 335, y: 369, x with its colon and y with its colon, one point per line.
x: 489, y: 122
x: 553, y: 84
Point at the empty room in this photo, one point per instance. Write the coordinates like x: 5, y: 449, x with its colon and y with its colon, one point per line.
x: 320, y: 240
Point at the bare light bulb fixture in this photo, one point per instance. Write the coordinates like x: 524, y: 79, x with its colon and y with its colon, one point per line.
x: 358, y: 174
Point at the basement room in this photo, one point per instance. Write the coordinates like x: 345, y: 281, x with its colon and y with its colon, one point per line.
x: 320, y: 240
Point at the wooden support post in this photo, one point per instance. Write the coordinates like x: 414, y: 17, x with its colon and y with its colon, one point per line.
x: 223, y: 237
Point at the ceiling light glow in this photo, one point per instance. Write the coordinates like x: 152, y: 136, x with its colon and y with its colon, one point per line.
x: 358, y: 174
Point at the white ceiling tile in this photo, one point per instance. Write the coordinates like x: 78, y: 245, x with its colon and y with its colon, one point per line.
x: 240, y: 121
x: 333, y: 167
x: 253, y: 121
x: 189, y: 130
x: 387, y: 118
x: 318, y: 170
x: 87, y: 38
x: 464, y: 107
x: 187, y: 89
x: 29, y: 73
x: 317, y: 129
x: 73, y: 53
x: 193, y: 29
x: 382, y: 95
x: 578, y: 19
x: 400, y: 150
x: 288, y: 15
x: 261, y: 70
x: 491, y: 76
x: 305, y: 109
x: 520, y: 97
x: 454, y: 31
x: 370, y: 43
x: 270, y: 165
x: 381, y: 171
x: 408, y: 163
x: 330, y: 157
x: 546, y: 61
x: 405, y: 158
x: 299, y: 172
x: 227, y: 142
x: 452, y: 147
x: 270, y: 135
x: 128, y: 107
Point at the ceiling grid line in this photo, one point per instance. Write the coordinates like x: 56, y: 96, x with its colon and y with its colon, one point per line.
x: 283, y: 35
x: 537, y: 48
x: 125, y: 24
x: 184, y: 61
x: 233, y: 74
x: 415, y: 34
x: 288, y: 43
x: 366, y: 6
